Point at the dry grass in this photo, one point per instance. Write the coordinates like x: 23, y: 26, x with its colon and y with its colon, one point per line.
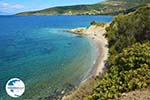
x: 84, y: 90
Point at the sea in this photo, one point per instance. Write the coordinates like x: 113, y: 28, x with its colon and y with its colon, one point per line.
x: 48, y: 60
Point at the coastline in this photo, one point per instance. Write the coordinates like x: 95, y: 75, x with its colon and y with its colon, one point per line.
x: 101, y: 43
x: 97, y: 35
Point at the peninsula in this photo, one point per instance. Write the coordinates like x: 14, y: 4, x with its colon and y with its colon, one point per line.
x: 107, y: 7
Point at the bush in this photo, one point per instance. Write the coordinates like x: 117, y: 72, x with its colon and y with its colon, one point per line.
x: 130, y: 71
x: 129, y: 58
x: 93, y: 23
x: 126, y: 30
x: 98, y: 24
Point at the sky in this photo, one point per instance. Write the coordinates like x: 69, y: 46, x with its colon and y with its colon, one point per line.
x: 15, y: 6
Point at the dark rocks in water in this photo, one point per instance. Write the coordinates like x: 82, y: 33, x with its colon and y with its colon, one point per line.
x: 79, y: 36
x: 69, y: 43
x: 70, y: 87
x: 59, y: 93
x: 47, y: 50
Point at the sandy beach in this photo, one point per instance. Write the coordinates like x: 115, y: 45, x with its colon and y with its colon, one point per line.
x: 97, y: 34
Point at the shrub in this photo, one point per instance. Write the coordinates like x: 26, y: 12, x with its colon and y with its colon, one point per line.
x: 130, y: 71
x: 129, y: 60
x: 126, y: 30
x: 98, y: 24
x: 93, y: 23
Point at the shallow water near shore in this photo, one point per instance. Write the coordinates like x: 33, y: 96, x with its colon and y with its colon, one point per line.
x: 36, y: 50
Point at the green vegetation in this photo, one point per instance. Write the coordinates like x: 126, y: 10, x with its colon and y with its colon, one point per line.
x: 130, y: 71
x: 93, y: 23
x: 126, y: 30
x: 129, y: 61
x: 107, y: 7
x: 98, y: 24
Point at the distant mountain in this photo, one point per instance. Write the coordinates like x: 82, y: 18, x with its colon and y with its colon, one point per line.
x: 106, y: 7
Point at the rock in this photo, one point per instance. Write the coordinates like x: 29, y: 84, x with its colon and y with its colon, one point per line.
x: 62, y: 92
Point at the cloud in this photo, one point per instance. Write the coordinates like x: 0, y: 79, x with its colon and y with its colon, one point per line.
x: 7, y: 6
x: 18, y: 6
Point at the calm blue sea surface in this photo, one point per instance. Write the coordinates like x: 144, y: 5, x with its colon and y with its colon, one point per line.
x: 36, y: 50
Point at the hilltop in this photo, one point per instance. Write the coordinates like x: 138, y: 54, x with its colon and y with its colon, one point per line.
x: 111, y: 7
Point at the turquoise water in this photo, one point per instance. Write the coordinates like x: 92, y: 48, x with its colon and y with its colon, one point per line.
x: 36, y: 50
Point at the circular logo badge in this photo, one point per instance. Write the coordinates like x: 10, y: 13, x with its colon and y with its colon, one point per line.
x: 15, y: 87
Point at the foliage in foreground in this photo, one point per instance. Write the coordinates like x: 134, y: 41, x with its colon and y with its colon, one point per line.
x: 129, y: 60
x: 130, y: 71
x: 126, y: 30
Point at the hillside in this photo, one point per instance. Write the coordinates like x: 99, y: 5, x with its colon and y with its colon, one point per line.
x: 128, y: 65
x: 106, y: 7
x: 129, y: 56
x: 141, y: 94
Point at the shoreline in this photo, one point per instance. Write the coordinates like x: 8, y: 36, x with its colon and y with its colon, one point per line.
x: 97, y: 36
